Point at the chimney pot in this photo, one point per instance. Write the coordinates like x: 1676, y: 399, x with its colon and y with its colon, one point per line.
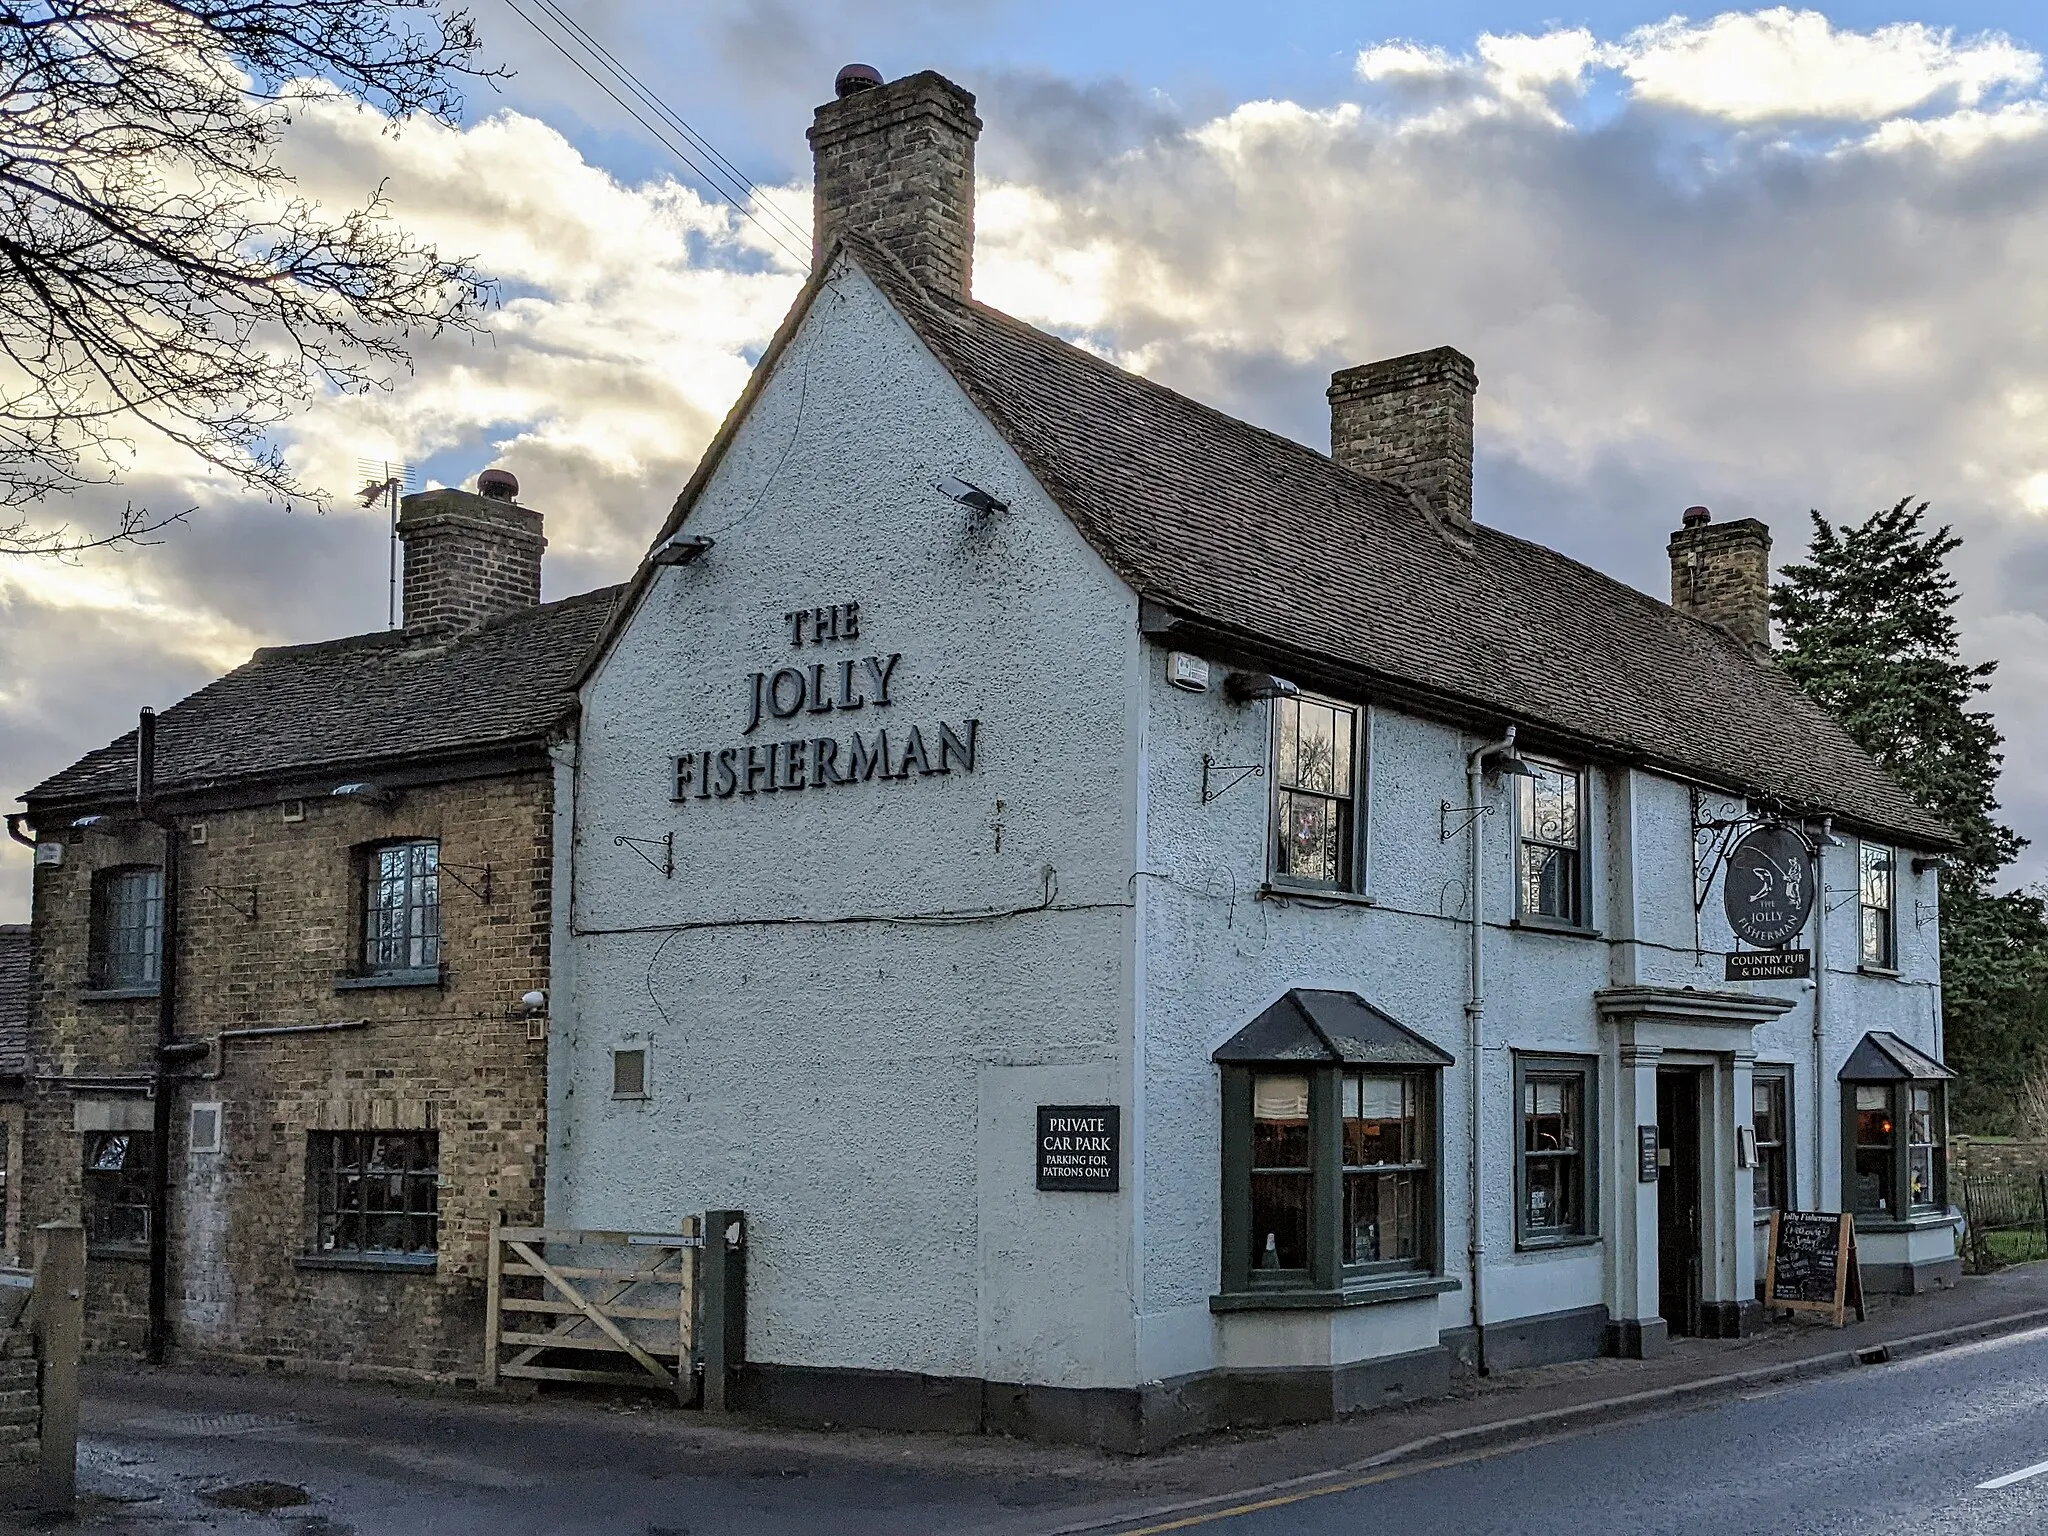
x: 470, y: 556
x: 1409, y: 420
x: 1721, y: 572
x: 895, y: 163
x: 855, y: 77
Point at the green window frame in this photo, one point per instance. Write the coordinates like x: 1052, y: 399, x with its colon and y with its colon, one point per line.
x: 1877, y: 887
x: 1550, y: 841
x: 1895, y: 1149
x: 1331, y: 1177
x: 1557, y: 1150
x: 1771, y: 1105
x: 1318, y: 796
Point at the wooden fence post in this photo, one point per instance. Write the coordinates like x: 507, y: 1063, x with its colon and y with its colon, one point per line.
x: 494, y: 1269
x: 724, y: 1314
x: 60, y: 1337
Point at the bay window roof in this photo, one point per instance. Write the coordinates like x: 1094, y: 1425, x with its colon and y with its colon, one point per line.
x: 1882, y: 1057
x: 1313, y: 1025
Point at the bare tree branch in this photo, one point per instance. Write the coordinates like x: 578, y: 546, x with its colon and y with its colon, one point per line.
x: 157, y: 271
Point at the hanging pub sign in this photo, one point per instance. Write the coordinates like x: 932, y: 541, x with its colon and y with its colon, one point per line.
x: 1767, y: 890
x: 1769, y: 965
x: 1078, y: 1147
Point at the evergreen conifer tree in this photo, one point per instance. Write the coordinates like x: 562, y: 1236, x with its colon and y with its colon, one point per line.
x: 1867, y: 627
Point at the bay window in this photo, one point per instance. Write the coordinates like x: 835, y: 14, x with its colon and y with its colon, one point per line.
x: 1894, y: 1131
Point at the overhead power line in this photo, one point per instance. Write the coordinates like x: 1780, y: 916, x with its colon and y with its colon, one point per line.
x: 718, y: 174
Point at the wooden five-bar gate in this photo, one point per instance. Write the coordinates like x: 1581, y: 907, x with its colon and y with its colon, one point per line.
x: 610, y: 1308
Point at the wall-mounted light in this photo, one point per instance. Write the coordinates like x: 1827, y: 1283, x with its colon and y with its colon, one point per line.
x: 680, y: 549
x: 369, y: 794
x: 92, y: 824
x: 1509, y: 764
x: 1243, y: 687
x: 971, y: 495
x: 1923, y: 862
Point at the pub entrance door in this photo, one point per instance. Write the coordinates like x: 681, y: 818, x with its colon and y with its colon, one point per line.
x: 1680, y: 1234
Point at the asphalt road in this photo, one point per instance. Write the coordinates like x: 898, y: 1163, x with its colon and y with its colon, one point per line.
x: 1904, y: 1447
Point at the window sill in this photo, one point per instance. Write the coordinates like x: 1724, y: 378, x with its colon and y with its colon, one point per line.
x: 114, y: 994
x: 1552, y: 1244
x: 1280, y: 890
x: 120, y: 1253
x: 389, y: 1263
x: 1923, y: 1221
x: 428, y: 977
x: 1357, y: 1294
x: 1561, y: 930
x: 1889, y: 972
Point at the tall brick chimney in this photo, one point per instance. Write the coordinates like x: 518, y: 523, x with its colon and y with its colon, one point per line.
x: 1722, y: 572
x: 470, y: 556
x: 1409, y: 420
x: 896, y: 162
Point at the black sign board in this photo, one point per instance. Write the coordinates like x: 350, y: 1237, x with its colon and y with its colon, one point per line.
x: 1769, y: 965
x: 1646, y: 1154
x: 1813, y: 1264
x: 1080, y: 1147
x: 1768, y: 889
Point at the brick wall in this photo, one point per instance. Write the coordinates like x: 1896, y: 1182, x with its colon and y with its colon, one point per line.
x: 1409, y: 420
x: 270, y: 921
x: 1967, y: 1155
x: 20, y: 1414
x: 896, y: 163
x: 1722, y: 572
x: 468, y: 559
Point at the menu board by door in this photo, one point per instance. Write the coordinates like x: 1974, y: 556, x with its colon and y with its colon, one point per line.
x: 1813, y: 1264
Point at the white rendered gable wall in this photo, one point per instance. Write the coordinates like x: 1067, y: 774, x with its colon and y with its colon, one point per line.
x: 866, y: 1091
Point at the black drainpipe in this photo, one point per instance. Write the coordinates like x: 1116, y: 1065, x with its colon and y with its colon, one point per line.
x: 166, y: 1032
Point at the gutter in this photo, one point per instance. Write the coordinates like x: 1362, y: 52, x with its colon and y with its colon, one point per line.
x: 1475, y: 1034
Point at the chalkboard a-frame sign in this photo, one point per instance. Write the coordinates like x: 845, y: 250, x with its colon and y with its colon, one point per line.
x: 1813, y: 1265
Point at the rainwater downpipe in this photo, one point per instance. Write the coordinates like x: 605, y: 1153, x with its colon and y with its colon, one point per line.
x: 1820, y: 982
x: 158, y: 1338
x: 1475, y: 1015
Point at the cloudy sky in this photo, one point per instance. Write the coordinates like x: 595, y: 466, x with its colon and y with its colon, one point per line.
x: 1769, y: 260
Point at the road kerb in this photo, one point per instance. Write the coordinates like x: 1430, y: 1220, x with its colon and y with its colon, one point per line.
x: 1531, y: 1426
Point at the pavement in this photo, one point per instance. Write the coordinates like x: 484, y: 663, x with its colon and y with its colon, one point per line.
x: 188, y: 1450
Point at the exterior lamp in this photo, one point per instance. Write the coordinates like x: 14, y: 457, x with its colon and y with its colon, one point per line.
x: 1509, y: 764
x: 93, y: 824
x: 970, y: 495
x: 1243, y: 687
x: 680, y: 549
x: 369, y: 794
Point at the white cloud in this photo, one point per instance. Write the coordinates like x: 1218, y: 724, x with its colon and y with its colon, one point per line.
x: 1744, y: 68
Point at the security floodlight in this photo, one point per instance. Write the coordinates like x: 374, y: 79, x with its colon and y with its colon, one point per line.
x: 534, y: 1002
x: 1243, y: 687
x: 1511, y: 765
x: 369, y: 794
x: 680, y: 549
x: 93, y: 824
x: 970, y: 495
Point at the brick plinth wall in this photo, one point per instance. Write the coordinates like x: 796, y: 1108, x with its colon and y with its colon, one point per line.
x: 468, y: 559
x: 271, y: 918
x: 1721, y: 572
x: 896, y: 163
x: 1409, y: 420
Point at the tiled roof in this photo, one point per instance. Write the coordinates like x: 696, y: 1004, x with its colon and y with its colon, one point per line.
x: 13, y: 999
x: 357, y: 702
x: 1243, y: 529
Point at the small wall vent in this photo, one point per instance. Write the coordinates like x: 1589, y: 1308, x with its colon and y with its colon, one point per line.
x: 195, y: 834
x: 629, y: 1074
x: 205, y: 1128
x: 295, y: 810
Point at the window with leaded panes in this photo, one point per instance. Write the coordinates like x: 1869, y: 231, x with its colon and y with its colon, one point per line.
x: 1878, y: 885
x: 116, y: 1190
x: 1555, y: 1183
x: 401, y: 907
x: 375, y: 1193
x: 1551, y: 881
x: 1315, y: 792
x: 126, y: 949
